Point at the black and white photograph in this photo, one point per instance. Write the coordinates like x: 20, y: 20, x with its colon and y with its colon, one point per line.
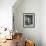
x: 29, y: 20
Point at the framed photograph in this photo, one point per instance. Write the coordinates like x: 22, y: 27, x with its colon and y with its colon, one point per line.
x: 29, y: 20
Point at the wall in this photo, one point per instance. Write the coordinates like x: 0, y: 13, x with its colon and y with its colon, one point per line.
x: 28, y: 6
x: 43, y: 22
x: 6, y: 13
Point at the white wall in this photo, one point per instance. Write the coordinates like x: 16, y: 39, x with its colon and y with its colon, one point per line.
x: 6, y: 13
x: 43, y: 22
x: 28, y: 6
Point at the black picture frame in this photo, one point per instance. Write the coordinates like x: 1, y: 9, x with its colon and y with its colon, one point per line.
x: 28, y: 20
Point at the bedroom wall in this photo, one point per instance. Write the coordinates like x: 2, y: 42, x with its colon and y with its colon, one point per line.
x: 43, y: 22
x: 28, y: 6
